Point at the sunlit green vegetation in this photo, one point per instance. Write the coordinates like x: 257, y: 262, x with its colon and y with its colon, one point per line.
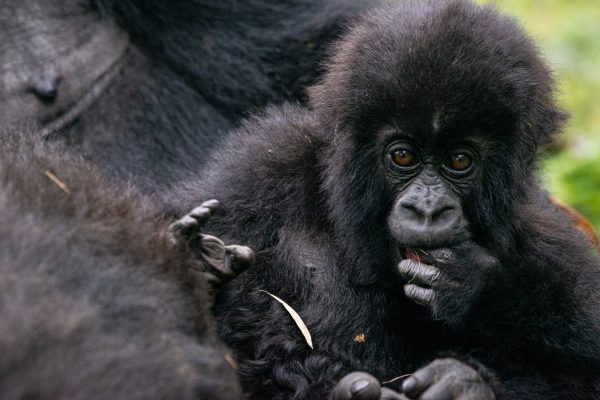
x: 568, y: 34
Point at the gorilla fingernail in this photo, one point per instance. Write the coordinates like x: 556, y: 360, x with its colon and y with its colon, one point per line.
x: 359, y: 386
x: 410, y: 384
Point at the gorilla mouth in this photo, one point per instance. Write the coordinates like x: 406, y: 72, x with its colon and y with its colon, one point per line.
x: 411, y: 254
x: 421, y: 257
x: 416, y: 254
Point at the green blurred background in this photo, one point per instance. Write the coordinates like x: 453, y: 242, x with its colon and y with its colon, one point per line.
x: 568, y: 34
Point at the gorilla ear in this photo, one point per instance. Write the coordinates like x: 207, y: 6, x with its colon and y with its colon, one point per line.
x: 542, y: 129
x: 538, y: 130
x: 556, y: 122
x: 532, y: 152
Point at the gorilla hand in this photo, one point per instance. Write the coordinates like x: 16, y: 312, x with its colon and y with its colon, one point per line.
x: 362, y: 386
x: 220, y: 263
x: 447, y: 379
x: 448, y: 280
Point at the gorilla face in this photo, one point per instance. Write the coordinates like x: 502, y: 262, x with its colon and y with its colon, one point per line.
x: 427, y: 211
x: 443, y: 176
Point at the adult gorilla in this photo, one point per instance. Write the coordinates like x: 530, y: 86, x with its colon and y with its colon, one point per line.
x: 144, y: 87
x: 400, y: 217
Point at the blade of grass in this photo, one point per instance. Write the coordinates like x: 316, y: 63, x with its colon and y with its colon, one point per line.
x: 395, y: 379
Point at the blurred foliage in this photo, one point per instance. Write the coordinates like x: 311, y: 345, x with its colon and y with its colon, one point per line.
x: 568, y: 34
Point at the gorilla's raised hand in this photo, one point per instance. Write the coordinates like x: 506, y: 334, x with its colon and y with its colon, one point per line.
x: 448, y: 280
x: 219, y: 263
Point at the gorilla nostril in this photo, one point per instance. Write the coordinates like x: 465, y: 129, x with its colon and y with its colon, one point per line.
x: 441, y: 213
x: 427, y: 213
x: 412, y: 210
x: 45, y: 87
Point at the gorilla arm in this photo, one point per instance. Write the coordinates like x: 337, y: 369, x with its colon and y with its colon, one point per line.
x: 539, y: 310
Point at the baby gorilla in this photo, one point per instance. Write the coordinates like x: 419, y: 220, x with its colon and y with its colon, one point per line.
x: 99, y: 298
x: 399, y: 216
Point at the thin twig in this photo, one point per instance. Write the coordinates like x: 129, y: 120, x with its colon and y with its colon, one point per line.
x: 63, y: 186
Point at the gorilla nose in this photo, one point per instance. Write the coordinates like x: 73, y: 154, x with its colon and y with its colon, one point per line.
x: 427, y: 216
x: 45, y: 86
x: 430, y: 214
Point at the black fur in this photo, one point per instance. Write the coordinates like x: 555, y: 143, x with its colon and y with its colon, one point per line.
x: 308, y: 190
x: 193, y: 68
x: 96, y: 301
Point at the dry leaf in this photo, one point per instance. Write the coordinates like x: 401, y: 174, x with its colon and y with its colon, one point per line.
x: 296, y: 318
x: 360, y: 338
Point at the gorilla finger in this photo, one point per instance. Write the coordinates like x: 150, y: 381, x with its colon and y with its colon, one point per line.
x: 418, y: 382
x: 212, y: 247
x: 201, y: 214
x: 183, y: 226
x: 422, y: 296
x: 212, y: 204
x: 389, y: 394
x: 419, y: 295
x: 224, y: 262
x: 240, y: 257
x: 194, y: 220
x: 442, y: 255
x: 443, y: 390
x: 357, y: 386
x: 419, y: 273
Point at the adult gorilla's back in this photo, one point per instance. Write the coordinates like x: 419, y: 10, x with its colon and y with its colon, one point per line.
x: 143, y: 88
x: 96, y: 299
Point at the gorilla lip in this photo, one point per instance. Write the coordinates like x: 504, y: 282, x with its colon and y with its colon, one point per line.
x: 418, y: 255
x: 411, y: 254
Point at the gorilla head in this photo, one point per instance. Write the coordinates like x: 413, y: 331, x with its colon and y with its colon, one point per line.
x: 441, y: 106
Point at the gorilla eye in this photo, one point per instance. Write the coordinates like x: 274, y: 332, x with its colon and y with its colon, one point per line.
x: 459, y: 162
x: 403, y: 157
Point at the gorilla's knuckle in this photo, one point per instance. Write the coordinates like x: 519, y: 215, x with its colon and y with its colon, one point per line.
x: 444, y: 255
x: 436, y: 275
